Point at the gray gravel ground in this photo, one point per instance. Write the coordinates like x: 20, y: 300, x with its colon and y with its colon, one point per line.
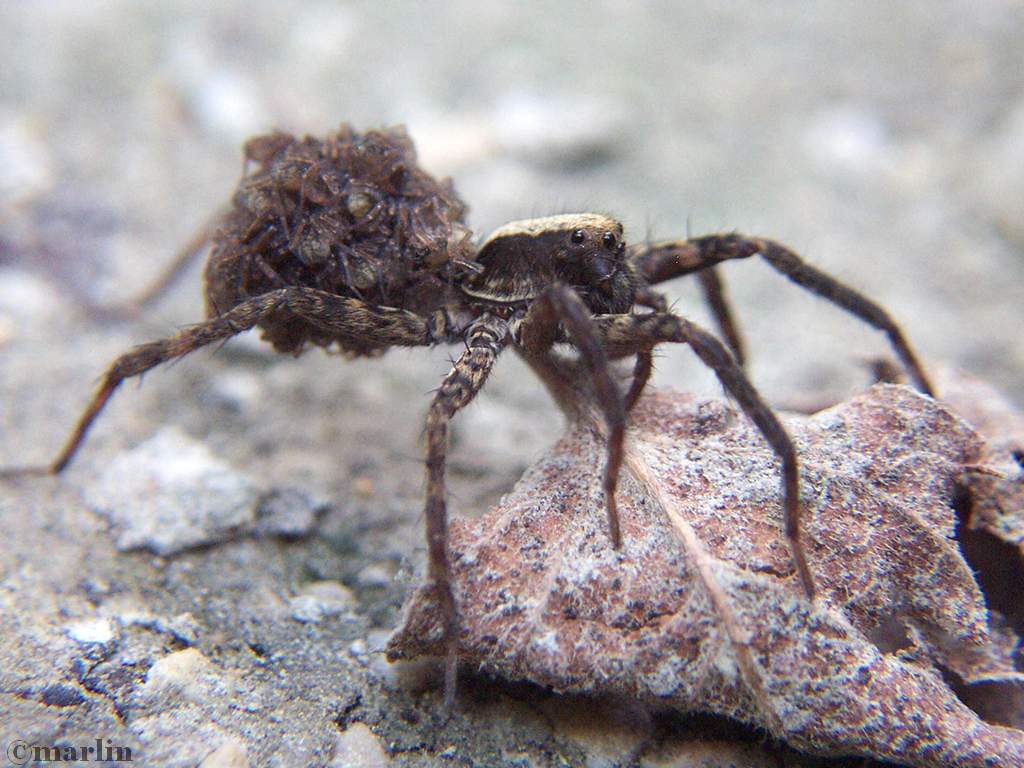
x: 884, y: 141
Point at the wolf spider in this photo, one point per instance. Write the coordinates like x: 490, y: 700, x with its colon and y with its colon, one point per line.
x: 346, y: 243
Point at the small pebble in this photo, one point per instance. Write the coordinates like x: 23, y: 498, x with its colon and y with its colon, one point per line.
x: 186, y: 674
x: 358, y: 649
x: 358, y: 747
x: 171, y: 493
x: 91, y: 631
x: 230, y: 754
x: 286, y: 512
x: 320, y: 600
x: 375, y: 576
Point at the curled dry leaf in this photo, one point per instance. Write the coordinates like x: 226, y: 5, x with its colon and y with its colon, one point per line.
x: 701, y: 609
x: 996, y: 481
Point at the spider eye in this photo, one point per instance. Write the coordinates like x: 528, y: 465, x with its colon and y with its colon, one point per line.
x: 578, y: 236
x: 609, y: 241
x: 621, y: 249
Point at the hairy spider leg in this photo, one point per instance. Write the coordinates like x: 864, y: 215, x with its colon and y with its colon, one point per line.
x: 714, y: 295
x: 629, y: 334
x: 345, y: 317
x: 644, y: 296
x: 484, y: 341
x: 642, y: 370
x: 711, y: 285
x: 662, y: 261
x: 561, y: 306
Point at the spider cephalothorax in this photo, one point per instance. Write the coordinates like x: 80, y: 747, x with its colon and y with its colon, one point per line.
x: 586, y: 251
x: 345, y: 242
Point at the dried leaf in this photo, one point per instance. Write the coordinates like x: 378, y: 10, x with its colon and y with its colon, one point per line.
x: 701, y: 609
x: 996, y: 480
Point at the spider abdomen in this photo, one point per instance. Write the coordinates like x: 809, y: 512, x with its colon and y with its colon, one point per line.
x: 351, y: 214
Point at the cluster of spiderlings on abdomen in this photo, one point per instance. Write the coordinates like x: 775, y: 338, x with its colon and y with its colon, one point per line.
x: 352, y: 214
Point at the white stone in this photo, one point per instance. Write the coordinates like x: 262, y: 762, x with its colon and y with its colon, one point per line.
x: 358, y: 747
x: 230, y: 754
x: 183, y: 675
x: 171, y: 493
x: 320, y: 600
x: 91, y: 631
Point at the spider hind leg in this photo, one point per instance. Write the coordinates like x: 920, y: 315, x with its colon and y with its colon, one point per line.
x: 344, y: 317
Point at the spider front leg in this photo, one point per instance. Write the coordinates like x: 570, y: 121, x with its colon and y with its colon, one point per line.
x: 629, y: 334
x: 662, y: 261
x: 714, y: 296
x: 560, y: 306
x: 484, y: 341
x: 383, y: 326
x: 644, y: 296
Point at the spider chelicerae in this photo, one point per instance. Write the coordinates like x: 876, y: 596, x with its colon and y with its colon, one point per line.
x: 346, y: 243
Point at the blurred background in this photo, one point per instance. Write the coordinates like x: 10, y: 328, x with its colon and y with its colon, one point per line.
x: 883, y: 141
